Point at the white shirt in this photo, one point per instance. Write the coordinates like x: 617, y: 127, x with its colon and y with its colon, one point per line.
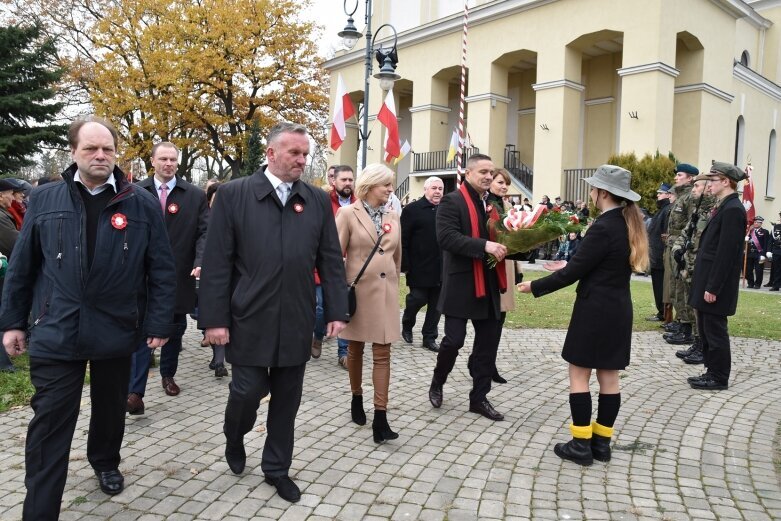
x: 169, y: 184
x: 275, y: 181
x: 98, y: 189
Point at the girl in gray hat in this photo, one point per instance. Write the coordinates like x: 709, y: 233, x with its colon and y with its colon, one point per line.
x: 600, y: 330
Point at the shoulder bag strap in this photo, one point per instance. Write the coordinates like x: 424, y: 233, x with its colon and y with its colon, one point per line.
x: 368, y: 260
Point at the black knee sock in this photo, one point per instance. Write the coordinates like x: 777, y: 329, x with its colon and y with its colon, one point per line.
x: 580, y: 406
x: 609, y: 404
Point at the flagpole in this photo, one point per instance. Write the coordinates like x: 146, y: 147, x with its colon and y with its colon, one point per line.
x: 462, y: 101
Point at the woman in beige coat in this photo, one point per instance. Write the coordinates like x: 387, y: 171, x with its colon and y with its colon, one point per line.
x: 376, y: 319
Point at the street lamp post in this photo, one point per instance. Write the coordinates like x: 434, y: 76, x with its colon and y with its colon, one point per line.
x: 386, y: 59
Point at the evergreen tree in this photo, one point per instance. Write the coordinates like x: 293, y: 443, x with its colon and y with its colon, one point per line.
x: 254, y: 151
x: 28, y: 72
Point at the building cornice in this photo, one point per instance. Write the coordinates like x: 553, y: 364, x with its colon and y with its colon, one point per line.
x: 431, y: 107
x: 649, y: 67
x: 705, y: 87
x: 759, y: 82
x: 526, y: 112
x: 759, y: 5
x: 555, y: 84
x: 741, y: 10
x: 599, y: 101
x: 487, y: 96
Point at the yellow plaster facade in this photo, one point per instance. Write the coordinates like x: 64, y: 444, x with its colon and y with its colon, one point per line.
x: 560, y: 85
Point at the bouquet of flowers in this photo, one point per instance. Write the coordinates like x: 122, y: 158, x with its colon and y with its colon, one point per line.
x: 522, y: 231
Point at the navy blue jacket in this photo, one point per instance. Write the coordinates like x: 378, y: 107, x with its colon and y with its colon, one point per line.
x: 97, y: 313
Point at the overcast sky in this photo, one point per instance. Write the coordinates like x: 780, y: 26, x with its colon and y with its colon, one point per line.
x: 330, y: 14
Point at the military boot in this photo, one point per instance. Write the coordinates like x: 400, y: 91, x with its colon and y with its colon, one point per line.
x: 672, y: 327
x: 696, y: 357
x: 683, y: 353
x: 682, y: 337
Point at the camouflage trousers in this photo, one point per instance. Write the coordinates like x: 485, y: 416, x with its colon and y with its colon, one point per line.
x: 679, y: 290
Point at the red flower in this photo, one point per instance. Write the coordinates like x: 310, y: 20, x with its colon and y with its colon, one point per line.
x: 173, y: 208
x: 488, y: 208
x: 574, y: 219
x: 119, y: 221
x: 386, y: 228
x: 557, y: 209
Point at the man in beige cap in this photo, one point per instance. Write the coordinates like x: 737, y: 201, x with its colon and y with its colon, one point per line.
x: 714, y: 293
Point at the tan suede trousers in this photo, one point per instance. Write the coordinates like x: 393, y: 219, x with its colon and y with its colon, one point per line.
x: 380, y: 371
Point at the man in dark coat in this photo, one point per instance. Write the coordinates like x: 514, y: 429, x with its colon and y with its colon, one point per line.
x: 421, y: 261
x: 470, y: 289
x: 185, y: 212
x: 92, y: 265
x: 757, y: 246
x: 775, y: 256
x: 714, y: 293
x: 656, y: 228
x: 267, y: 233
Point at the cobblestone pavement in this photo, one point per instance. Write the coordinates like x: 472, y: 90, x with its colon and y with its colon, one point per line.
x: 678, y: 454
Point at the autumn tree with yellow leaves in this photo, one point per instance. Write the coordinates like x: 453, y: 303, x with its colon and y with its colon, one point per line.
x: 194, y: 72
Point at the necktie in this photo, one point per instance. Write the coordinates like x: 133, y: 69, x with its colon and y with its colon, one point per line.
x: 163, y: 196
x: 282, y: 191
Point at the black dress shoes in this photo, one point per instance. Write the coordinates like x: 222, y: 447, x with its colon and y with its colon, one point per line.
x: 406, y: 336
x: 486, y: 409
x: 435, y: 395
x: 111, y: 481
x: 235, y: 456
x: 708, y: 384
x: 286, y: 489
x: 431, y: 345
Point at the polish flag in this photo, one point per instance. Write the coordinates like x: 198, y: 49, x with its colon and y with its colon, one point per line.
x: 748, y: 196
x: 343, y: 110
x: 387, y: 117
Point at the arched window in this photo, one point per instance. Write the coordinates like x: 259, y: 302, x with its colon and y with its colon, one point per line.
x: 771, y: 164
x: 744, y: 58
x: 740, y: 133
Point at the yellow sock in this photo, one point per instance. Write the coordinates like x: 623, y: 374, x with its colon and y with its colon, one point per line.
x: 601, y: 430
x: 580, y: 431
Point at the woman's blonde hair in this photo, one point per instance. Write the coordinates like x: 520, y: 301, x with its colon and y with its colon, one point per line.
x: 373, y: 175
x: 638, y: 237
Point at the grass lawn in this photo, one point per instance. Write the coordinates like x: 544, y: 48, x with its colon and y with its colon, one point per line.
x: 758, y: 316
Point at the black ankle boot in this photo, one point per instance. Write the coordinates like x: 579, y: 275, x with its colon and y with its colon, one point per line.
x: 600, y: 447
x: 381, y: 429
x: 496, y: 377
x: 356, y: 409
x: 577, y: 450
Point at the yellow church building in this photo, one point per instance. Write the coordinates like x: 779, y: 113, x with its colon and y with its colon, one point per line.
x: 557, y: 86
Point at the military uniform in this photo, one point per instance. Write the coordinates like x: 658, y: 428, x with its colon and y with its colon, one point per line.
x: 757, y: 245
x: 775, y: 267
x: 680, y: 214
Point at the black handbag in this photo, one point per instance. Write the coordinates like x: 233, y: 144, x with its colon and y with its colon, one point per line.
x: 352, y: 301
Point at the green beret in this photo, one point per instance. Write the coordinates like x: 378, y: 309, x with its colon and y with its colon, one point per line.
x: 728, y: 170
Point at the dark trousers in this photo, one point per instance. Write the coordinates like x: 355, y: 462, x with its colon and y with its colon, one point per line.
x: 169, y: 358
x: 249, y: 385
x: 775, y: 269
x: 715, y: 345
x: 416, y: 299
x: 657, y: 282
x: 754, y: 271
x: 58, y: 385
x: 482, y: 361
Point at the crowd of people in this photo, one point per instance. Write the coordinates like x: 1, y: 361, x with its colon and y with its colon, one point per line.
x: 103, y: 271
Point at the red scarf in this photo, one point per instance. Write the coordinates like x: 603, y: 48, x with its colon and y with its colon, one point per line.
x: 477, y: 264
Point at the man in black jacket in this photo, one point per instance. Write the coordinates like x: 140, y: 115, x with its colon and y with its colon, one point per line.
x: 184, y: 210
x: 758, y: 243
x: 714, y: 290
x: 421, y: 261
x: 470, y: 288
x: 267, y: 233
x: 656, y: 228
x: 8, y: 236
x: 775, y: 256
x: 88, y: 303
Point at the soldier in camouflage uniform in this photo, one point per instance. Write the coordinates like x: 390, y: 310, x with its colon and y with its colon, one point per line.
x: 686, y: 247
x: 680, y: 214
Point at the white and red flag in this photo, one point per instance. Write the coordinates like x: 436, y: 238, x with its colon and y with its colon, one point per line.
x: 387, y: 117
x: 748, y: 195
x: 343, y: 110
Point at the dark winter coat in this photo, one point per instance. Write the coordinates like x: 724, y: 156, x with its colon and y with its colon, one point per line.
x: 657, y: 227
x: 8, y: 233
x: 459, y: 248
x: 82, y: 313
x: 257, y: 273
x: 720, y: 259
x: 186, y: 217
x: 600, y: 330
x: 421, y: 258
